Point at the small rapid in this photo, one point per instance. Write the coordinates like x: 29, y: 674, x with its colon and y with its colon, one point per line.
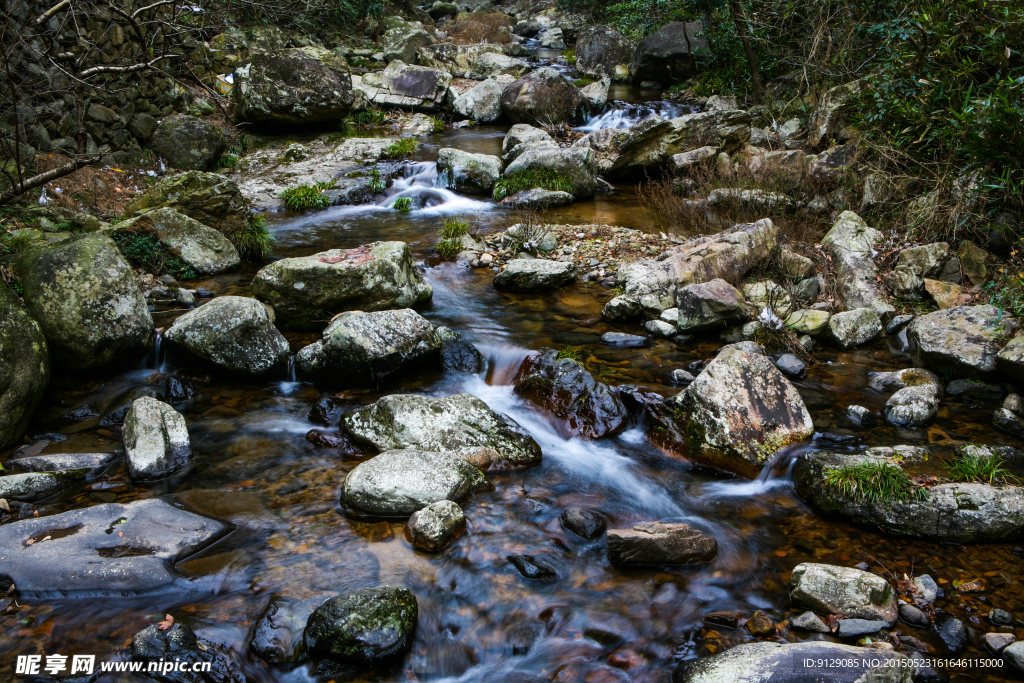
x: 621, y: 115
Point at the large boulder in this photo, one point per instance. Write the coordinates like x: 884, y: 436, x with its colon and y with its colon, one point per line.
x: 25, y: 370
x: 669, y: 55
x: 851, y: 244
x: 233, y: 333
x: 602, y: 51
x: 156, y: 440
x: 844, y: 591
x: 709, y: 306
x: 460, y: 424
x: 364, y: 625
x: 307, y: 291
x: 576, y: 165
x: 398, y: 483
x: 534, y: 275
x: 581, y: 405
x: 403, y: 42
x: 829, y: 122
x: 542, y: 97
x: 291, y: 86
x: 652, y: 286
x: 188, y: 143
x: 153, y: 535
x: 85, y: 298
x: 409, y: 87
x: 739, y: 412
x: 466, y: 172
x: 201, y: 247
x: 787, y: 663
x: 459, y: 60
x: 482, y: 102
x: 490, y: 64
x: 653, y: 543
x: 212, y: 199
x: 365, y: 348
x: 962, y: 341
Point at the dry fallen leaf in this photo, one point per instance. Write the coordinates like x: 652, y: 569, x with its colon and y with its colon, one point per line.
x: 4, y: 505
x: 166, y: 623
x: 30, y: 541
x: 120, y: 534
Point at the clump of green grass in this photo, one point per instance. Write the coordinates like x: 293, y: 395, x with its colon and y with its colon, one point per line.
x: 584, y: 81
x: 454, y: 226
x: 12, y: 244
x: 527, y: 180
x: 570, y: 352
x: 874, y: 482
x: 402, y: 204
x: 371, y: 116
x: 448, y: 249
x: 980, y: 468
x: 254, y: 242
x: 401, y: 148
x: 145, y: 251
x: 306, y: 197
x: 378, y: 183
x: 437, y: 125
x: 569, y: 55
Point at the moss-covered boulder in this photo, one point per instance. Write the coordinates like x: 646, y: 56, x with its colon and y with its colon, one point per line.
x: 296, y: 86
x: 188, y: 143
x: 308, y: 291
x: 25, y: 369
x: 575, y: 167
x: 363, y: 625
x: 84, y: 296
x: 602, y: 51
x: 964, y: 341
x: 201, y: 247
x: 210, y: 198
x: 541, y: 97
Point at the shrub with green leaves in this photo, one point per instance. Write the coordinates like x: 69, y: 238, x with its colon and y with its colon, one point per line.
x: 254, y: 242
x: 12, y: 244
x: 145, y: 251
x: 401, y: 148
x: 527, y: 180
x: 402, y: 204
x: 874, y: 482
x: 306, y: 197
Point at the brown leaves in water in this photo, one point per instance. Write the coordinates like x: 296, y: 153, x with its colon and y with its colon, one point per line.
x: 354, y: 257
x: 166, y: 624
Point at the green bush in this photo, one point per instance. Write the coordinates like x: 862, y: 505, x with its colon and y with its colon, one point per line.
x: 145, y: 251
x: 254, y: 242
x: 12, y: 244
x: 401, y: 148
x: 306, y: 197
x: 378, y: 183
x: 402, y: 204
x: 527, y: 180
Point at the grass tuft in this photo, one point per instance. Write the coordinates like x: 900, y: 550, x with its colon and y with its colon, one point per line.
x: 401, y: 148
x: 570, y: 352
x: 145, y: 251
x: 402, y: 204
x: 980, y: 468
x: 306, y: 197
x: 254, y: 242
x: 874, y: 482
x: 527, y: 180
x: 454, y: 226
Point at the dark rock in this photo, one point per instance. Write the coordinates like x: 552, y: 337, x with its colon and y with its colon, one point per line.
x: 760, y: 625
x: 325, y: 439
x: 523, y: 634
x: 953, y: 634
x: 210, y: 198
x: 292, y: 87
x: 93, y: 464
x: 623, y: 339
x: 897, y: 323
x: 1000, y: 617
x: 720, y: 618
x: 188, y: 143
x: 861, y: 416
x: 277, y: 637
x: 179, y: 644
x: 117, y: 409
x: 541, y: 96
x: 653, y: 543
x: 791, y: 365
x: 974, y: 390
x: 25, y: 370
x: 326, y: 410
x: 532, y: 568
x: 914, y: 616
x: 669, y: 55
x: 588, y: 524
x: 849, y: 628
x: 602, y: 51
x: 363, y: 625
x: 457, y: 354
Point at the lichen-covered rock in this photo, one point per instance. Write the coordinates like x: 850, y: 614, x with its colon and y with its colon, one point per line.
x: 25, y: 370
x: 537, y: 198
x: 234, y: 333
x: 962, y: 341
x: 534, y: 275
x: 709, y: 306
x: 307, y: 291
x: 156, y: 440
x: 481, y: 103
x: 402, y: 42
x: 580, y: 405
x: 188, y: 143
x: 365, y: 348
x: 490, y: 64
x: 402, y: 85
x: 851, y: 329
x: 465, y: 172
x: 32, y: 486
x: 398, y: 483
x: 85, y: 298
x: 913, y: 407
x: 654, y: 543
x: 364, y: 625
x: 436, y: 526
x: 458, y: 60
x: 576, y: 165
x: 669, y: 54
x: 602, y: 51
x: 851, y: 244
x: 457, y: 354
x: 201, y: 247
x: 843, y: 591
x: 739, y: 412
x: 808, y: 321
x: 460, y: 424
x: 292, y: 86
x: 829, y: 121
x: 212, y: 199
x: 543, y: 96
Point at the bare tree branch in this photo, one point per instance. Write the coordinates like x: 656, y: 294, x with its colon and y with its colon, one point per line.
x: 43, y: 178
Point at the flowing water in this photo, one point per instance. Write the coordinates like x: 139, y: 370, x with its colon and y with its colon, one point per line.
x: 478, y: 616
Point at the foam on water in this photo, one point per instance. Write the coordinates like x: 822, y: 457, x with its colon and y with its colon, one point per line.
x: 622, y: 115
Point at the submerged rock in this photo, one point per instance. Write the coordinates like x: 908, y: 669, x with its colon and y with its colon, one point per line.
x: 588, y: 524
x: 363, y: 625
x: 156, y: 440
x: 581, y: 405
x: 25, y: 370
x: 461, y: 424
x: 234, y: 333
x: 457, y: 354
x: 366, y: 348
x: 92, y: 464
x: 398, y: 483
x: 534, y: 275
x: 91, y: 559
x: 278, y: 635
x: 307, y: 291
x: 652, y: 543
x: 844, y: 591
x: 962, y: 341
x: 436, y: 526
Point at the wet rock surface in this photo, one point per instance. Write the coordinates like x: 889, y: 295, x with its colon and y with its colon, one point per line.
x: 363, y: 625
x: 653, y: 543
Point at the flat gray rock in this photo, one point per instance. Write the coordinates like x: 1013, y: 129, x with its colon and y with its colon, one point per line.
x: 849, y: 628
x: 94, y: 463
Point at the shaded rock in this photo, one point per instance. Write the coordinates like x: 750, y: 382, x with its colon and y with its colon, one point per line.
x: 623, y: 339
x: 602, y: 51
x: 402, y: 43
x: 417, y: 88
x: 234, y: 333
x: 309, y: 290
x: 84, y: 296
x: 962, y: 341
x: 92, y: 464
x: 179, y: 644
x: 543, y: 96
x: 277, y: 636
x: 202, y: 248
x: 435, y: 526
x: 532, y: 568
x: 791, y: 366
x: 482, y: 103
x: 709, y: 306
x: 851, y: 329
x: 156, y: 440
x: 534, y: 275
x: 898, y: 323
x: 475, y: 173
x: 581, y: 405
x: 850, y: 628
x: 851, y: 244
x: 669, y: 55
x: 366, y: 348
x: 461, y: 424
x: 1014, y: 655
x: 588, y: 524
x: 1009, y: 416
x: 457, y: 354
x: 953, y: 634
x: 861, y: 416
x: 363, y: 625
x: 653, y: 543
x: 398, y: 483
x: 537, y: 198
x: 829, y: 122
x: 595, y: 95
x: 809, y: 621
x: 1010, y: 361
x: 92, y: 559
x: 188, y: 143
x: 490, y: 64
x: 33, y: 486
x: 292, y: 86
x: 212, y: 199
x: 576, y: 165
x: 845, y: 591
x: 25, y: 370
x: 914, y: 616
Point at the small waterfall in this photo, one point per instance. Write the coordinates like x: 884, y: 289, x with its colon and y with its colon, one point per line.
x: 503, y: 361
x: 622, y: 115
x: 427, y: 191
x: 291, y: 369
x: 289, y: 385
x: 155, y: 361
